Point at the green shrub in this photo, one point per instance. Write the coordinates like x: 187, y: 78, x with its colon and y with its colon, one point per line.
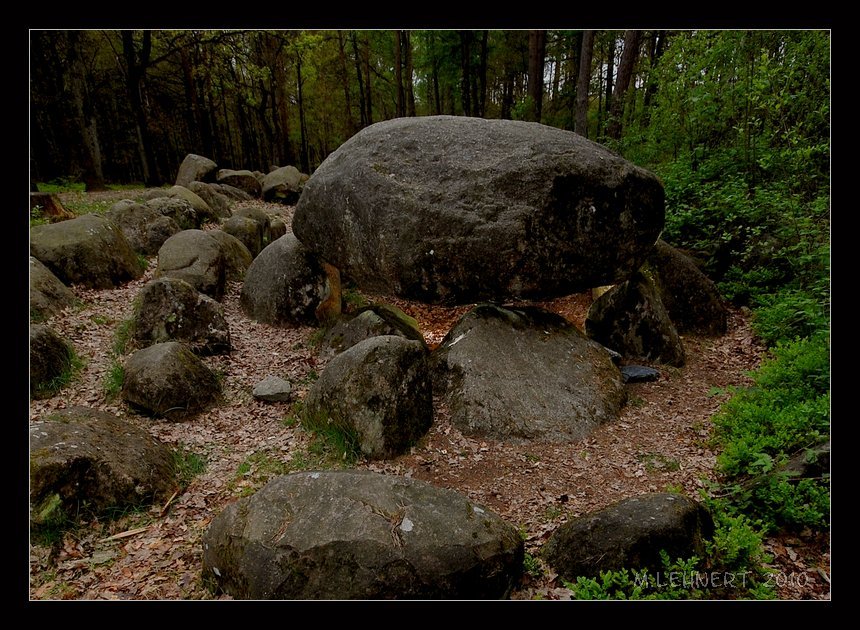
x: 188, y: 465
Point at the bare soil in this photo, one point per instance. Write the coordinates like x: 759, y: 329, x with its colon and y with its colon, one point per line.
x: 660, y: 443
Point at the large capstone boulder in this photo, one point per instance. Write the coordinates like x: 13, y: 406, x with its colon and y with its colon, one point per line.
x: 196, y: 168
x: 359, y: 535
x: 244, y: 180
x: 247, y: 231
x: 288, y: 286
x: 237, y: 258
x: 283, y: 184
x: 144, y: 227
x: 84, y: 461
x: 51, y: 358
x: 525, y: 373
x: 456, y: 210
x: 630, y: 318
x: 178, y: 209
x: 380, y: 391
x: 196, y: 257
x: 369, y: 321
x: 630, y: 534
x: 48, y: 296
x: 170, y: 309
x: 217, y: 201
x: 89, y: 250
x: 168, y: 380
x: 690, y: 297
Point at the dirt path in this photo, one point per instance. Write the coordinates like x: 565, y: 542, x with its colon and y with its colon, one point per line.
x: 659, y: 443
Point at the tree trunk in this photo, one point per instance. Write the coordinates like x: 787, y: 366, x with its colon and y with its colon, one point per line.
x: 466, y: 66
x: 367, y: 84
x: 656, y: 48
x: 482, y: 76
x: 582, y: 83
x: 398, y: 75
x: 136, y: 65
x: 344, y: 76
x: 610, y: 71
x: 409, y: 86
x: 625, y: 72
x: 306, y: 168
x: 361, y: 99
x: 91, y: 159
x: 537, y: 51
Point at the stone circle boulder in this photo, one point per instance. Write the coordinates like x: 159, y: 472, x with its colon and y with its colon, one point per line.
x: 244, y: 180
x: 86, y: 461
x: 283, y: 184
x: 89, y: 250
x: 237, y: 258
x: 50, y: 357
x: 168, y: 380
x: 247, y: 231
x: 525, y: 373
x: 631, y: 319
x: 690, y: 297
x: 204, y: 213
x: 178, y: 209
x: 369, y: 321
x: 447, y: 209
x: 48, y: 296
x: 196, y: 257
x: 231, y: 192
x: 277, y: 228
x: 380, y: 391
x: 144, y: 227
x: 170, y: 309
x: 196, y: 168
x: 630, y: 534
x: 288, y: 286
x: 218, y: 202
x: 359, y: 535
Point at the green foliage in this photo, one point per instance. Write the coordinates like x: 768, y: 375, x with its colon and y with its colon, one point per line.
x: 256, y: 469
x: 532, y: 566
x: 787, y: 410
x: 37, y: 217
x: 61, y: 185
x: 72, y: 366
x: 114, y: 380
x: 353, y: 300
x: 122, y: 336
x: 335, y: 440
x: 188, y: 465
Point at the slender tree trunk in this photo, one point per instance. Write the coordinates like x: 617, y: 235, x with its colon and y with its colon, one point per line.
x: 136, y: 64
x: 306, y: 168
x: 409, y: 85
x: 583, y: 82
x: 656, y: 48
x: 344, y: 73
x: 610, y: 71
x: 398, y: 75
x: 367, y: 84
x: 361, y: 100
x: 84, y: 112
x: 507, y: 95
x: 537, y: 51
x: 629, y: 56
x: 466, y: 66
x: 482, y: 76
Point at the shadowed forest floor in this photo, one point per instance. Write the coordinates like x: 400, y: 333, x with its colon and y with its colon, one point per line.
x: 660, y: 443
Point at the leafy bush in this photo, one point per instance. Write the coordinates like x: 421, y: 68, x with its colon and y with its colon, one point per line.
x: 787, y: 410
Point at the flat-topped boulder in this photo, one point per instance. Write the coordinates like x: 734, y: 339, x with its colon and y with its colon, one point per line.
x: 525, y: 374
x: 359, y: 535
x: 196, y: 168
x: 48, y: 296
x: 448, y: 209
x: 90, y: 251
x: 196, y: 257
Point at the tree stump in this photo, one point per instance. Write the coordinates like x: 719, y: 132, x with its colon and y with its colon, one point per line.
x: 50, y: 206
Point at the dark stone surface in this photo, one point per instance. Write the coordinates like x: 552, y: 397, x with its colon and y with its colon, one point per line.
x: 639, y: 374
x: 196, y: 168
x: 359, y: 535
x: 48, y: 296
x: 525, y: 373
x: 50, y: 356
x: 196, y: 257
x: 450, y: 209
x: 630, y: 534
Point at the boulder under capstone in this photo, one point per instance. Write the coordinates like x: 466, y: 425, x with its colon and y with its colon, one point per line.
x: 448, y: 209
